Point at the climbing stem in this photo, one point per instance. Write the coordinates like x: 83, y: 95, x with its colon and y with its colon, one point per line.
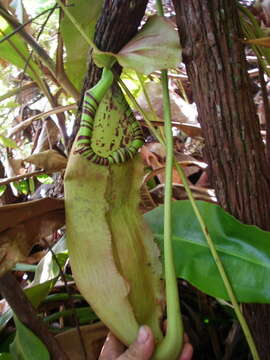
x: 209, y: 240
x: 173, y: 340
x: 174, y: 334
x: 220, y: 267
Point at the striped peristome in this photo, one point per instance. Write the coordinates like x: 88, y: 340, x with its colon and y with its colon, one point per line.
x: 93, y: 99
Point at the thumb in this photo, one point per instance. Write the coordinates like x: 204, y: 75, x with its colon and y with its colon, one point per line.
x: 142, y: 348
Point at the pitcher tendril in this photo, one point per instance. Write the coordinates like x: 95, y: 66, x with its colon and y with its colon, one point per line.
x: 97, y: 106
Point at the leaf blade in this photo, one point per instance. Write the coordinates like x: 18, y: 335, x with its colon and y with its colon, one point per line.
x: 146, y: 53
x: 247, y: 262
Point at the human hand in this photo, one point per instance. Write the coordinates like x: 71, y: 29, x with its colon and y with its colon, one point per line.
x: 141, y: 349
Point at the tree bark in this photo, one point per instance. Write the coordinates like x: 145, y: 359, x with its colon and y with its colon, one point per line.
x: 214, y: 57
x: 117, y: 24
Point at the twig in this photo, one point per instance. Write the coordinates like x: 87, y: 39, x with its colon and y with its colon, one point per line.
x: 17, y: 90
x: 45, y: 114
x: 40, y: 52
x: 161, y: 169
x: 20, y: 177
x: 37, y: 38
x: 26, y: 23
x: 26, y: 313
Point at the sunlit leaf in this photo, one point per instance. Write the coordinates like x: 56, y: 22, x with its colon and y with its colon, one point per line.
x: 45, y: 179
x: 23, y: 186
x: 15, y: 51
x: 7, y: 142
x: 2, y: 189
x: 244, y: 251
x: 31, y: 185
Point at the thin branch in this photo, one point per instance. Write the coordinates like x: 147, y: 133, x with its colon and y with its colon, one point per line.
x: 21, y: 26
x: 20, y: 177
x: 40, y: 52
x: 38, y: 36
x: 43, y: 115
x: 17, y: 90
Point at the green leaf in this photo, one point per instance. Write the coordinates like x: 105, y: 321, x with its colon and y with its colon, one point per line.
x: 7, y: 142
x: 47, y: 273
x: 2, y: 189
x: 6, y: 340
x: 31, y: 184
x: 244, y: 250
x: 15, y: 51
x: 26, y: 345
x: 22, y: 186
x: 85, y: 315
x: 86, y: 13
x: 155, y: 47
x: 5, y: 356
x: 45, y: 179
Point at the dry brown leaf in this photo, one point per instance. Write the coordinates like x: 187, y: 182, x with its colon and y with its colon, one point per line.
x: 182, y: 112
x: 14, y: 167
x: 35, y: 258
x: 48, y: 136
x: 22, y: 225
x: 93, y: 335
x: 14, y: 214
x: 192, y: 130
x: 49, y: 160
x: 154, y: 155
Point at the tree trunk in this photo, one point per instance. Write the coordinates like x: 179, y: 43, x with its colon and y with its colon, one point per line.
x: 215, y: 61
x: 118, y: 23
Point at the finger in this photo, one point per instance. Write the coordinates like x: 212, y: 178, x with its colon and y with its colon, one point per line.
x: 112, y: 348
x: 142, y: 348
x: 187, y: 352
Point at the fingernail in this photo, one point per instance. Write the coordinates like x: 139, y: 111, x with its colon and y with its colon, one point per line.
x: 143, y: 335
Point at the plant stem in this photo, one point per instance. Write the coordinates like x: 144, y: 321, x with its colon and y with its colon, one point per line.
x: 17, y: 90
x: 6, y: 181
x: 209, y: 240
x: 173, y: 340
x: 174, y: 335
x: 220, y: 267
